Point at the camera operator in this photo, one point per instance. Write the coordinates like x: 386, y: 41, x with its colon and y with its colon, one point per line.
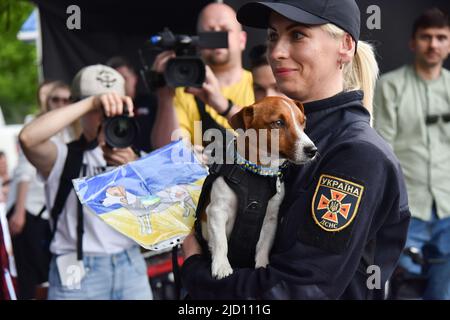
x: 227, y: 85
x: 90, y: 260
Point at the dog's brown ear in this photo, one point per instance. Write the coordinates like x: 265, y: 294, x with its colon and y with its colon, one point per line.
x: 242, y: 119
x: 299, y: 105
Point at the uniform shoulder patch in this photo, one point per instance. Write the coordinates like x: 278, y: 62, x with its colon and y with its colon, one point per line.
x: 335, y: 202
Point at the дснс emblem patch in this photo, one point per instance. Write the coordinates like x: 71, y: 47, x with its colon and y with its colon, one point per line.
x: 335, y: 202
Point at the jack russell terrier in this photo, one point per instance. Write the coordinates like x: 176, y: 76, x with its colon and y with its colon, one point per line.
x: 238, y: 191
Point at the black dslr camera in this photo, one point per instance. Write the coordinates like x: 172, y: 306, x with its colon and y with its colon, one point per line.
x: 187, y: 69
x: 120, y: 131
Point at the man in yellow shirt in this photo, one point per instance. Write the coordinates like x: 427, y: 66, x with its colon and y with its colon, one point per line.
x: 226, y: 89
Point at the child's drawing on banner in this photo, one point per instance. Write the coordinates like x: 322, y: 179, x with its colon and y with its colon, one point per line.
x: 151, y: 200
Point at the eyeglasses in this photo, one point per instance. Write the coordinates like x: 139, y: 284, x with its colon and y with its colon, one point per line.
x: 56, y: 99
x: 433, y: 119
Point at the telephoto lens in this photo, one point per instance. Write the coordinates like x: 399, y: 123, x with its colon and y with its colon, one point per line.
x: 120, y: 131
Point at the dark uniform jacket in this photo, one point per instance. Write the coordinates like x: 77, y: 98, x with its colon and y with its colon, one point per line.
x: 343, y: 222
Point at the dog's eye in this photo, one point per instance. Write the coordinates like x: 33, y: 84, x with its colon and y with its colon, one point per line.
x: 277, y: 124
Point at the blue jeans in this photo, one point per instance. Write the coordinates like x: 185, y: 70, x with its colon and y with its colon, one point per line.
x: 433, y: 239
x: 121, y: 276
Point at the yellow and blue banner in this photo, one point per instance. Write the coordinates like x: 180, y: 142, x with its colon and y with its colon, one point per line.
x: 151, y: 200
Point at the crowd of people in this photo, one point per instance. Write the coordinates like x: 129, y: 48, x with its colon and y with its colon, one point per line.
x: 387, y: 137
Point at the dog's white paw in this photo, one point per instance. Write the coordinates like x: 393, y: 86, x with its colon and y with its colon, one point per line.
x: 261, y: 261
x: 221, y: 269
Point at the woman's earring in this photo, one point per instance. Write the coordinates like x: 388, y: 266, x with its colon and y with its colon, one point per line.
x: 341, y: 65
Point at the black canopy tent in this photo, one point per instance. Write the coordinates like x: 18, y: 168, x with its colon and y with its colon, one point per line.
x: 108, y: 28
x: 111, y: 27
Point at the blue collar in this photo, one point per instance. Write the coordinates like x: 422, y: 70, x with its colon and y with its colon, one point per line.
x: 260, y: 170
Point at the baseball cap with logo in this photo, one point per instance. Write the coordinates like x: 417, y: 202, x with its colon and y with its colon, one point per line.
x: 97, y: 79
x: 342, y: 13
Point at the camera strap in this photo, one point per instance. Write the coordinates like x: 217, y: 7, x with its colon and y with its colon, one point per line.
x: 72, y: 169
x: 207, y: 121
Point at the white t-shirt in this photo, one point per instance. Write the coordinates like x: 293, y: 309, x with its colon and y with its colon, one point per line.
x: 35, y: 200
x: 98, y: 238
x: 25, y: 172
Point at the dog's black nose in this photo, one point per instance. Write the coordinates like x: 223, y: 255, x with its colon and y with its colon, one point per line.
x: 310, y: 151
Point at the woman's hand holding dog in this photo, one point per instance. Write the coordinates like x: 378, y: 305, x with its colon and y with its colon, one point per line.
x: 191, y: 246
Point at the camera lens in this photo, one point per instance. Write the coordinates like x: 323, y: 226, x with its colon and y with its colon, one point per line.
x: 120, y: 131
x: 185, y: 72
x: 121, y: 128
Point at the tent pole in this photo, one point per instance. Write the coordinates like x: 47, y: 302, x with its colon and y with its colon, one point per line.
x: 39, y: 47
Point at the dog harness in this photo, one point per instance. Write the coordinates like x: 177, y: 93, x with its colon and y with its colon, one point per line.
x: 254, y: 186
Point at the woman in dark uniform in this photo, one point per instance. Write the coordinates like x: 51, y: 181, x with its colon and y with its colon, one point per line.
x: 344, y: 219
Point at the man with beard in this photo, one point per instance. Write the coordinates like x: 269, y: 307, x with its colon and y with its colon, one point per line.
x: 412, y: 112
x: 227, y: 85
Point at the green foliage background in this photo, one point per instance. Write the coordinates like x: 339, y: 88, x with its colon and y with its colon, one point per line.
x: 18, y: 70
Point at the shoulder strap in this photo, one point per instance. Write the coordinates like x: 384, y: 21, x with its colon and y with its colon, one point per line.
x: 39, y: 215
x: 71, y: 170
x: 207, y: 121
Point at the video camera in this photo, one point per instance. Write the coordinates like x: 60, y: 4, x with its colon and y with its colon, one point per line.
x: 120, y: 131
x: 187, y: 69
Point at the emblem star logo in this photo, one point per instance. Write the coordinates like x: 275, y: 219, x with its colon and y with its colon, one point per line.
x: 334, y: 206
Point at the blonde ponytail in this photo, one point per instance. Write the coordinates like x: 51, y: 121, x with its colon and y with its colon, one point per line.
x: 362, y: 72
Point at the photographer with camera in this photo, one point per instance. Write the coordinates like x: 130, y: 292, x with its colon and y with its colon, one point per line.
x: 90, y: 260
x: 144, y: 104
x: 227, y: 85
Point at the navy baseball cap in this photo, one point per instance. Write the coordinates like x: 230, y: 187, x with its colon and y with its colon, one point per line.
x: 342, y: 13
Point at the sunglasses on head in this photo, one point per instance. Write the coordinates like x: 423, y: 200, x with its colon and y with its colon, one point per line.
x: 57, y: 99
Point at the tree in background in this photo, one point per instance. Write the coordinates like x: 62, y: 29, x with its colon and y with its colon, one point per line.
x: 18, y: 70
